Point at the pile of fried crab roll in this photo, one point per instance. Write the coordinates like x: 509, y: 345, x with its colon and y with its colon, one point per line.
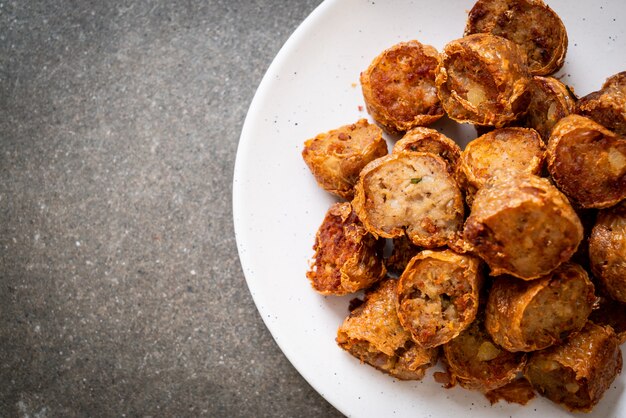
x: 504, y: 261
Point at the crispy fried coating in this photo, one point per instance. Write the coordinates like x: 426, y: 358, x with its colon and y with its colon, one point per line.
x: 429, y: 140
x: 587, y: 219
x: 373, y: 334
x: 483, y: 79
x: 438, y: 295
x: 550, y: 101
x: 577, y: 373
x: 346, y: 256
x: 587, y: 162
x: 410, y: 193
x: 607, y: 106
x: 337, y: 157
x: 607, y: 311
x: 607, y: 250
x: 402, y: 252
x: 514, y: 150
x: 519, y: 391
x: 399, y: 87
x: 532, y: 315
x: 522, y: 226
x: 475, y: 362
x: 531, y: 24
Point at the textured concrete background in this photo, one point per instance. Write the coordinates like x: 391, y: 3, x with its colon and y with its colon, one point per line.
x: 121, y: 292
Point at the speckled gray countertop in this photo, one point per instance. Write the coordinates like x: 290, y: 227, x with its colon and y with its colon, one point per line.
x: 121, y: 292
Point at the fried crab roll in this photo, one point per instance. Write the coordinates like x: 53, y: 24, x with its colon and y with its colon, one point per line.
x: 483, y: 79
x: 531, y: 24
x: 476, y: 363
x: 346, y: 256
x: 399, y: 87
x: 410, y: 193
x: 373, y: 334
x: 587, y: 162
x: 608, y: 105
x: 431, y: 141
x: 550, y: 101
x: 607, y: 251
x: 337, y: 157
x: 515, y: 150
x: 522, y: 226
x: 577, y: 373
x: 438, y: 295
x: 532, y: 315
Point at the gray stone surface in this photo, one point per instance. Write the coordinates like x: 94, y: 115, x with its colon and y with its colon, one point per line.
x: 121, y: 292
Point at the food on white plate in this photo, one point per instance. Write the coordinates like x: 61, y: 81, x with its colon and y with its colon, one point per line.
x: 518, y: 391
x: 607, y: 106
x: 346, y: 256
x: 523, y: 226
x: 523, y: 315
x: 531, y: 24
x: 410, y: 193
x: 542, y: 322
x: 587, y: 162
x: 503, y: 150
x: 399, y: 87
x: 607, y: 251
x: 438, y: 295
x: 576, y: 373
x: 483, y: 79
x: 550, y: 101
x: 336, y: 157
x: 373, y: 334
x: 473, y: 360
x: 429, y: 140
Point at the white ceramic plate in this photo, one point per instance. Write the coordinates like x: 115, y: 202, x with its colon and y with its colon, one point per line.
x: 311, y: 87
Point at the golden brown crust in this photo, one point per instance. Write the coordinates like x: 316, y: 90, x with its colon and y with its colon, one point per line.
x: 515, y: 150
x: 402, y: 252
x: 483, y: 79
x: 346, y: 255
x: 438, y: 295
x: 531, y: 24
x: 587, y: 162
x: 587, y: 219
x: 616, y: 81
x: 429, y: 140
x: 532, y: 315
x: 399, y: 87
x: 577, y: 373
x: 607, y: 311
x: 608, y: 105
x: 410, y: 193
x: 522, y: 226
x: 337, y: 157
x: 550, y: 101
x: 607, y: 251
x: 475, y: 362
x: 519, y: 391
x: 373, y: 334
